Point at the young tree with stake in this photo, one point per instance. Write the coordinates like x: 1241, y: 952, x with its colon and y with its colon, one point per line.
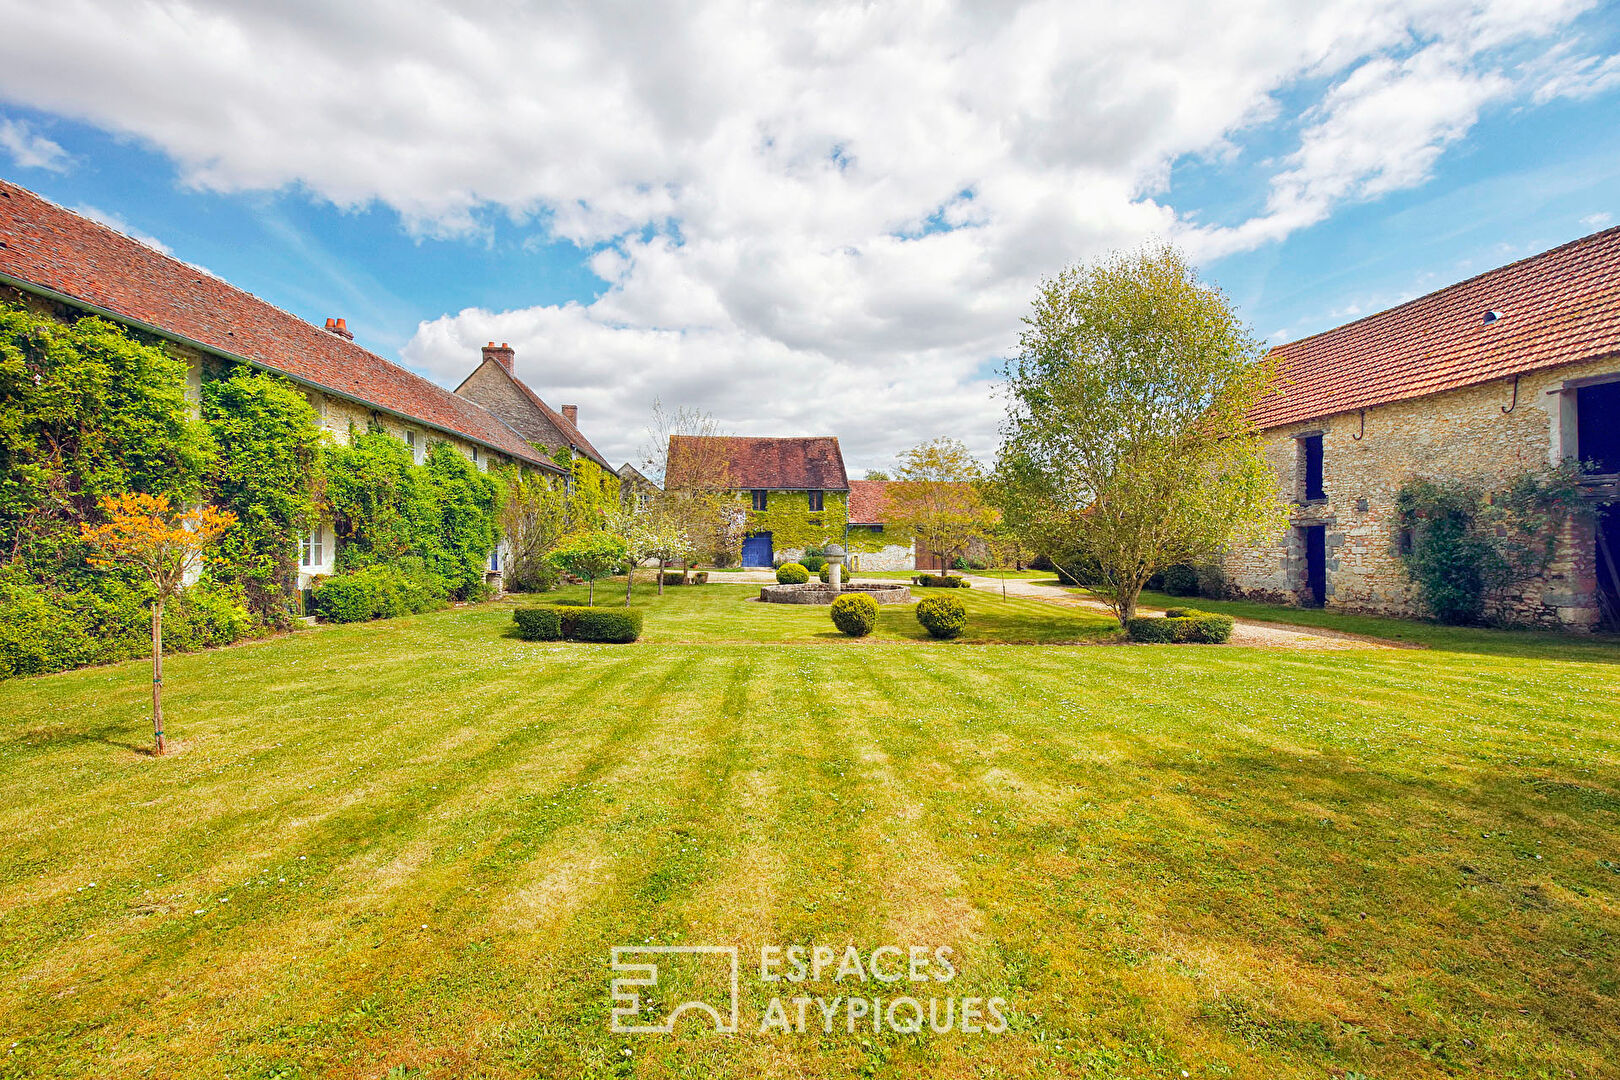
x: 141, y: 532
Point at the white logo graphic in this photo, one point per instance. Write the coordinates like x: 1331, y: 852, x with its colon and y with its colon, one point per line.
x: 628, y: 1003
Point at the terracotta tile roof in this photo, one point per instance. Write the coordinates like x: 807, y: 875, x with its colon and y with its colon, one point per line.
x: 790, y: 464
x: 1555, y: 308
x: 868, y: 500
x: 42, y: 244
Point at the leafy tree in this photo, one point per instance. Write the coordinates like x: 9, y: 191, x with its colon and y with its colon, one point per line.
x: 266, y: 470
x: 1127, y: 441
x: 140, y: 532
x: 650, y: 534
x: 938, y: 498
x: 532, y: 519
x: 876, y: 474
x: 86, y: 410
x: 590, y: 556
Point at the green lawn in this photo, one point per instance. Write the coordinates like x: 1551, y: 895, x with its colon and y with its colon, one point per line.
x: 407, y: 848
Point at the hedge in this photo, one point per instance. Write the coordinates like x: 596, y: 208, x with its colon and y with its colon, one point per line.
x: 379, y: 592
x: 575, y: 623
x: 941, y: 581
x: 855, y: 614
x: 1181, y: 626
x: 942, y: 616
x: 538, y: 623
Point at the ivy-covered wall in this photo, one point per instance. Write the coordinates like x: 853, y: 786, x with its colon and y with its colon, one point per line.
x: 595, y: 491
x: 792, y: 524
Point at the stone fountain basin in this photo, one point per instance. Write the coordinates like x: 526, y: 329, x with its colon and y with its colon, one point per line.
x: 816, y: 592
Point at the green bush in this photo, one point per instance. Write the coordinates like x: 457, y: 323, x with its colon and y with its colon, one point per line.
x: 941, y: 581
x: 674, y: 577
x: 942, y: 616
x: 1180, y: 580
x: 813, y: 563
x: 1181, y: 626
x: 379, y: 592
x: 700, y: 577
x: 538, y: 623
x: 792, y: 574
x: 615, y: 625
x: 569, y: 603
x: 855, y: 614
x: 43, y: 631
x: 964, y: 563
x: 575, y: 622
x: 825, y: 573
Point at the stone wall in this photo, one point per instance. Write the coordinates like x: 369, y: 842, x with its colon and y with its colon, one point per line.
x: 1462, y: 434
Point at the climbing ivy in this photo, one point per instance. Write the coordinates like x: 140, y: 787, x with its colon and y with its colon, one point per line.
x: 1466, y: 544
x: 86, y: 409
x: 792, y: 524
x: 383, y: 506
x: 266, y: 470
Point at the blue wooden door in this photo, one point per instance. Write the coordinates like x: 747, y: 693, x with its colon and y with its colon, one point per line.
x: 757, y: 549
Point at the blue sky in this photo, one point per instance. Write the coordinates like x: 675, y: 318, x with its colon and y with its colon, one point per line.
x: 834, y: 237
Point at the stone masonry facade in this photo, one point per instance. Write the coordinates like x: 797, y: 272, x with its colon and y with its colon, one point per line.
x: 1463, y: 434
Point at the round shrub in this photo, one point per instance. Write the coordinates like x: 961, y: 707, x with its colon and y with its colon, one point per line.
x: 942, y: 616
x: 1180, y: 580
x: 855, y: 614
x: 791, y: 574
x: 345, y: 598
x: 825, y: 573
x: 538, y: 623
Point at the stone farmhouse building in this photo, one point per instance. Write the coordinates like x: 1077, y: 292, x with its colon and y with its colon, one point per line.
x: 1484, y: 381
x: 60, y: 263
x: 871, y: 545
x: 494, y: 384
x: 794, y: 491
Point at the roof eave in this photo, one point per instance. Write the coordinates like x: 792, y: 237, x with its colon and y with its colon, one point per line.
x: 96, y: 309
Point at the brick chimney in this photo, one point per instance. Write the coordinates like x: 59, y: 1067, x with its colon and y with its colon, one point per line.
x: 340, y: 327
x: 571, y: 414
x: 502, y: 354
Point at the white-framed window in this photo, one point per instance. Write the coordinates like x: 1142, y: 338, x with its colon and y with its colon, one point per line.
x: 312, y: 549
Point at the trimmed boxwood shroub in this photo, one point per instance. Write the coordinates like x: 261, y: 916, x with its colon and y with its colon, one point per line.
x: 941, y: 581
x: 942, y: 616
x: 1181, y: 626
x: 855, y: 614
x: 574, y: 623
x: 615, y: 625
x: 538, y: 623
x: 791, y: 574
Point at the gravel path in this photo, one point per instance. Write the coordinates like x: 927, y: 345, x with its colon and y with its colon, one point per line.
x: 1244, y: 631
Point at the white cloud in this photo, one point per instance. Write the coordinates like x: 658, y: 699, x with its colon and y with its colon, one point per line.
x: 30, y: 150
x: 1600, y: 220
x: 811, y: 216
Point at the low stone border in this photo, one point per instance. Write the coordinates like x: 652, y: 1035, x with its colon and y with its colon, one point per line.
x: 815, y: 592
